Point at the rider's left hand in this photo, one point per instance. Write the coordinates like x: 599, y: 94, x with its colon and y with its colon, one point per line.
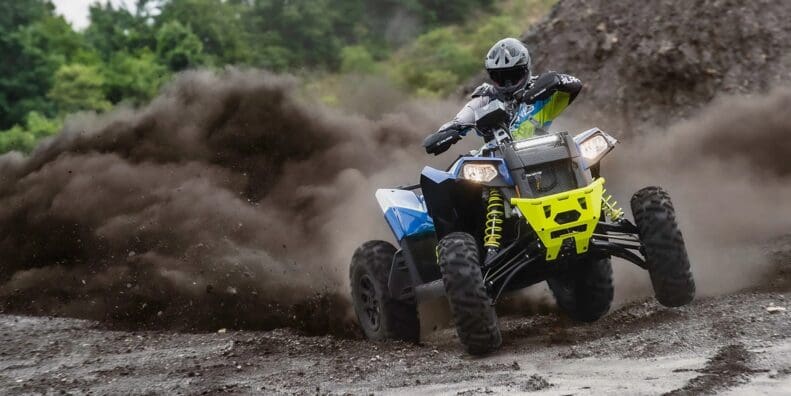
x: 542, y: 88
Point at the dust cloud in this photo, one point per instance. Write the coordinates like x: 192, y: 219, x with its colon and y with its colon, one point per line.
x: 728, y: 170
x: 230, y: 201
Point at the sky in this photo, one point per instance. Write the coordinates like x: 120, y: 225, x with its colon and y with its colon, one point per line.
x: 76, y: 11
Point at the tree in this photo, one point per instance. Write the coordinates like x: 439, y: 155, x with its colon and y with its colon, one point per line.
x: 444, y: 12
x: 301, y: 33
x: 116, y: 29
x: 133, y: 78
x: 437, y: 62
x: 357, y: 59
x: 217, y: 24
x: 178, y: 47
x: 24, y: 138
x: 25, y: 70
x: 78, y: 87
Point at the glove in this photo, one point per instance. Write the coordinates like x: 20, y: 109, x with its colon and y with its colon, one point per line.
x: 439, y: 142
x: 542, y: 88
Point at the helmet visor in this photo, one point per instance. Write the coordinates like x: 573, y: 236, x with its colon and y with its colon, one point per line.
x: 507, y: 78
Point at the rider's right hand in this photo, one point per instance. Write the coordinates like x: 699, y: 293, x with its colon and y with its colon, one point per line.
x: 439, y: 142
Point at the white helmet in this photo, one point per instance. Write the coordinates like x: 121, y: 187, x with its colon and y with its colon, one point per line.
x: 508, y: 64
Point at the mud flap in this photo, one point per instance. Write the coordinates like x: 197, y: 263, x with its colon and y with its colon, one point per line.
x: 414, y: 265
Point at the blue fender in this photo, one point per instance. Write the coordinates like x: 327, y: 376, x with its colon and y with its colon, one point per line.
x: 405, y: 212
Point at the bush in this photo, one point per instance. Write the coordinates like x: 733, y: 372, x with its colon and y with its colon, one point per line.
x: 357, y: 59
x: 441, y: 59
x: 24, y: 138
x: 78, y: 87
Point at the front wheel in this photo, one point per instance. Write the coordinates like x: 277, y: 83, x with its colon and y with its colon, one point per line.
x: 663, y: 247
x: 585, y: 292
x: 472, y: 308
x: 380, y: 317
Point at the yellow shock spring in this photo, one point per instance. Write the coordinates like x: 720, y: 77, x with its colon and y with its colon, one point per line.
x: 610, y: 207
x: 495, y: 210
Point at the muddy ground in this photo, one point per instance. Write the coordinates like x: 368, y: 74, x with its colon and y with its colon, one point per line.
x: 735, y: 343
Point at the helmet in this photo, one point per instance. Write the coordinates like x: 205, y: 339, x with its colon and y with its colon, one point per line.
x: 508, y: 64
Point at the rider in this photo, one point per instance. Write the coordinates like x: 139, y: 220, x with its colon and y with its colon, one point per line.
x: 533, y: 101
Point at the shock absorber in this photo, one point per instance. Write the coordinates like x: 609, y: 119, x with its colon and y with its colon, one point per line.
x: 610, y: 207
x: 495, y: 211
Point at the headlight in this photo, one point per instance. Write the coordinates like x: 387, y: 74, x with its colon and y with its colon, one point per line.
x: 594, y: 144
x: 481, y: 173
x: 594, y: 147
x: 535, y: 142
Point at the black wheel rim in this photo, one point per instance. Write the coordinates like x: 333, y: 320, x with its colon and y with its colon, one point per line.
x: 369, y: 303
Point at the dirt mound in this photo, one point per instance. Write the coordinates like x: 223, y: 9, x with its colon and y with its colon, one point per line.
x: 654, y: 62
x: 227, y: 202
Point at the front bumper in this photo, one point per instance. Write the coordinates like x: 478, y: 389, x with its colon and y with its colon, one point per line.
x: 570, y: 215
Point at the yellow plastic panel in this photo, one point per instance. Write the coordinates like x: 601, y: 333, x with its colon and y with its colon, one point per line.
x: 541, y: 213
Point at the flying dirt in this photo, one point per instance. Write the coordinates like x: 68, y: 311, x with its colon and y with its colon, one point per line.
x: 733, y: 179
x: 219, y: 204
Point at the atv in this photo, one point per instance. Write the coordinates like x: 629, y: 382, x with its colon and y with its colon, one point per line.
x: 505, y: 217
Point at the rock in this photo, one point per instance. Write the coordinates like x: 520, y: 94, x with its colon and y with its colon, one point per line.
x: 773, y: 309
x: 536, y: 383
x: 221, y: 331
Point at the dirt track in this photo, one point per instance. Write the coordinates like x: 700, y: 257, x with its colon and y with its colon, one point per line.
x: 728, y: 343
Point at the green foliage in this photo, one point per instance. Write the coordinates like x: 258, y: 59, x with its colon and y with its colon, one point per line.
x: 357, y: 59
x: 41, y: 126
x: 48, y: 70
x: 443, y: 11
x: 17, y: 139
x: 54, y: 38
x: 441, y: 59
x: 133, y: 79
x: 491, y: 30
x: 178, y: 47
x: 30, y: 41
x: 24, y: 138
x: 78, y: 87
x: 293, y: 32
x: 325, y: 33
x: 116, y: 29
x: 436, y: 63
x: 217, y: 24
x: 14, y: 14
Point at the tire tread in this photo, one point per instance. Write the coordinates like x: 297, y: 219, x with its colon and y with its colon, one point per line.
x: 664, y: 248
x: 472, y: 308
x: 399, y: 319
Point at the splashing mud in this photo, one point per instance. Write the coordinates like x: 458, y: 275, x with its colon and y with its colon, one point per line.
x: 228, y: 201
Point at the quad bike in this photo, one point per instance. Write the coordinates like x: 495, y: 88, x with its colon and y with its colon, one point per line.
x: 505, y: 217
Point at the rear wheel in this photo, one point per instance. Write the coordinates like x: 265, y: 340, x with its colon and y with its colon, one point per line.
x: 663, y: 247
x: 380, y: 317
x: 472, y: 308
x: 585, y: 292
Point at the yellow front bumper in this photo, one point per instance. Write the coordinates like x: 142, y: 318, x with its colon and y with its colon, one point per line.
x: 554, y: 217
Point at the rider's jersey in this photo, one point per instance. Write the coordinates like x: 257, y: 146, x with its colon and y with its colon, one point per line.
x: 527, y: 119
